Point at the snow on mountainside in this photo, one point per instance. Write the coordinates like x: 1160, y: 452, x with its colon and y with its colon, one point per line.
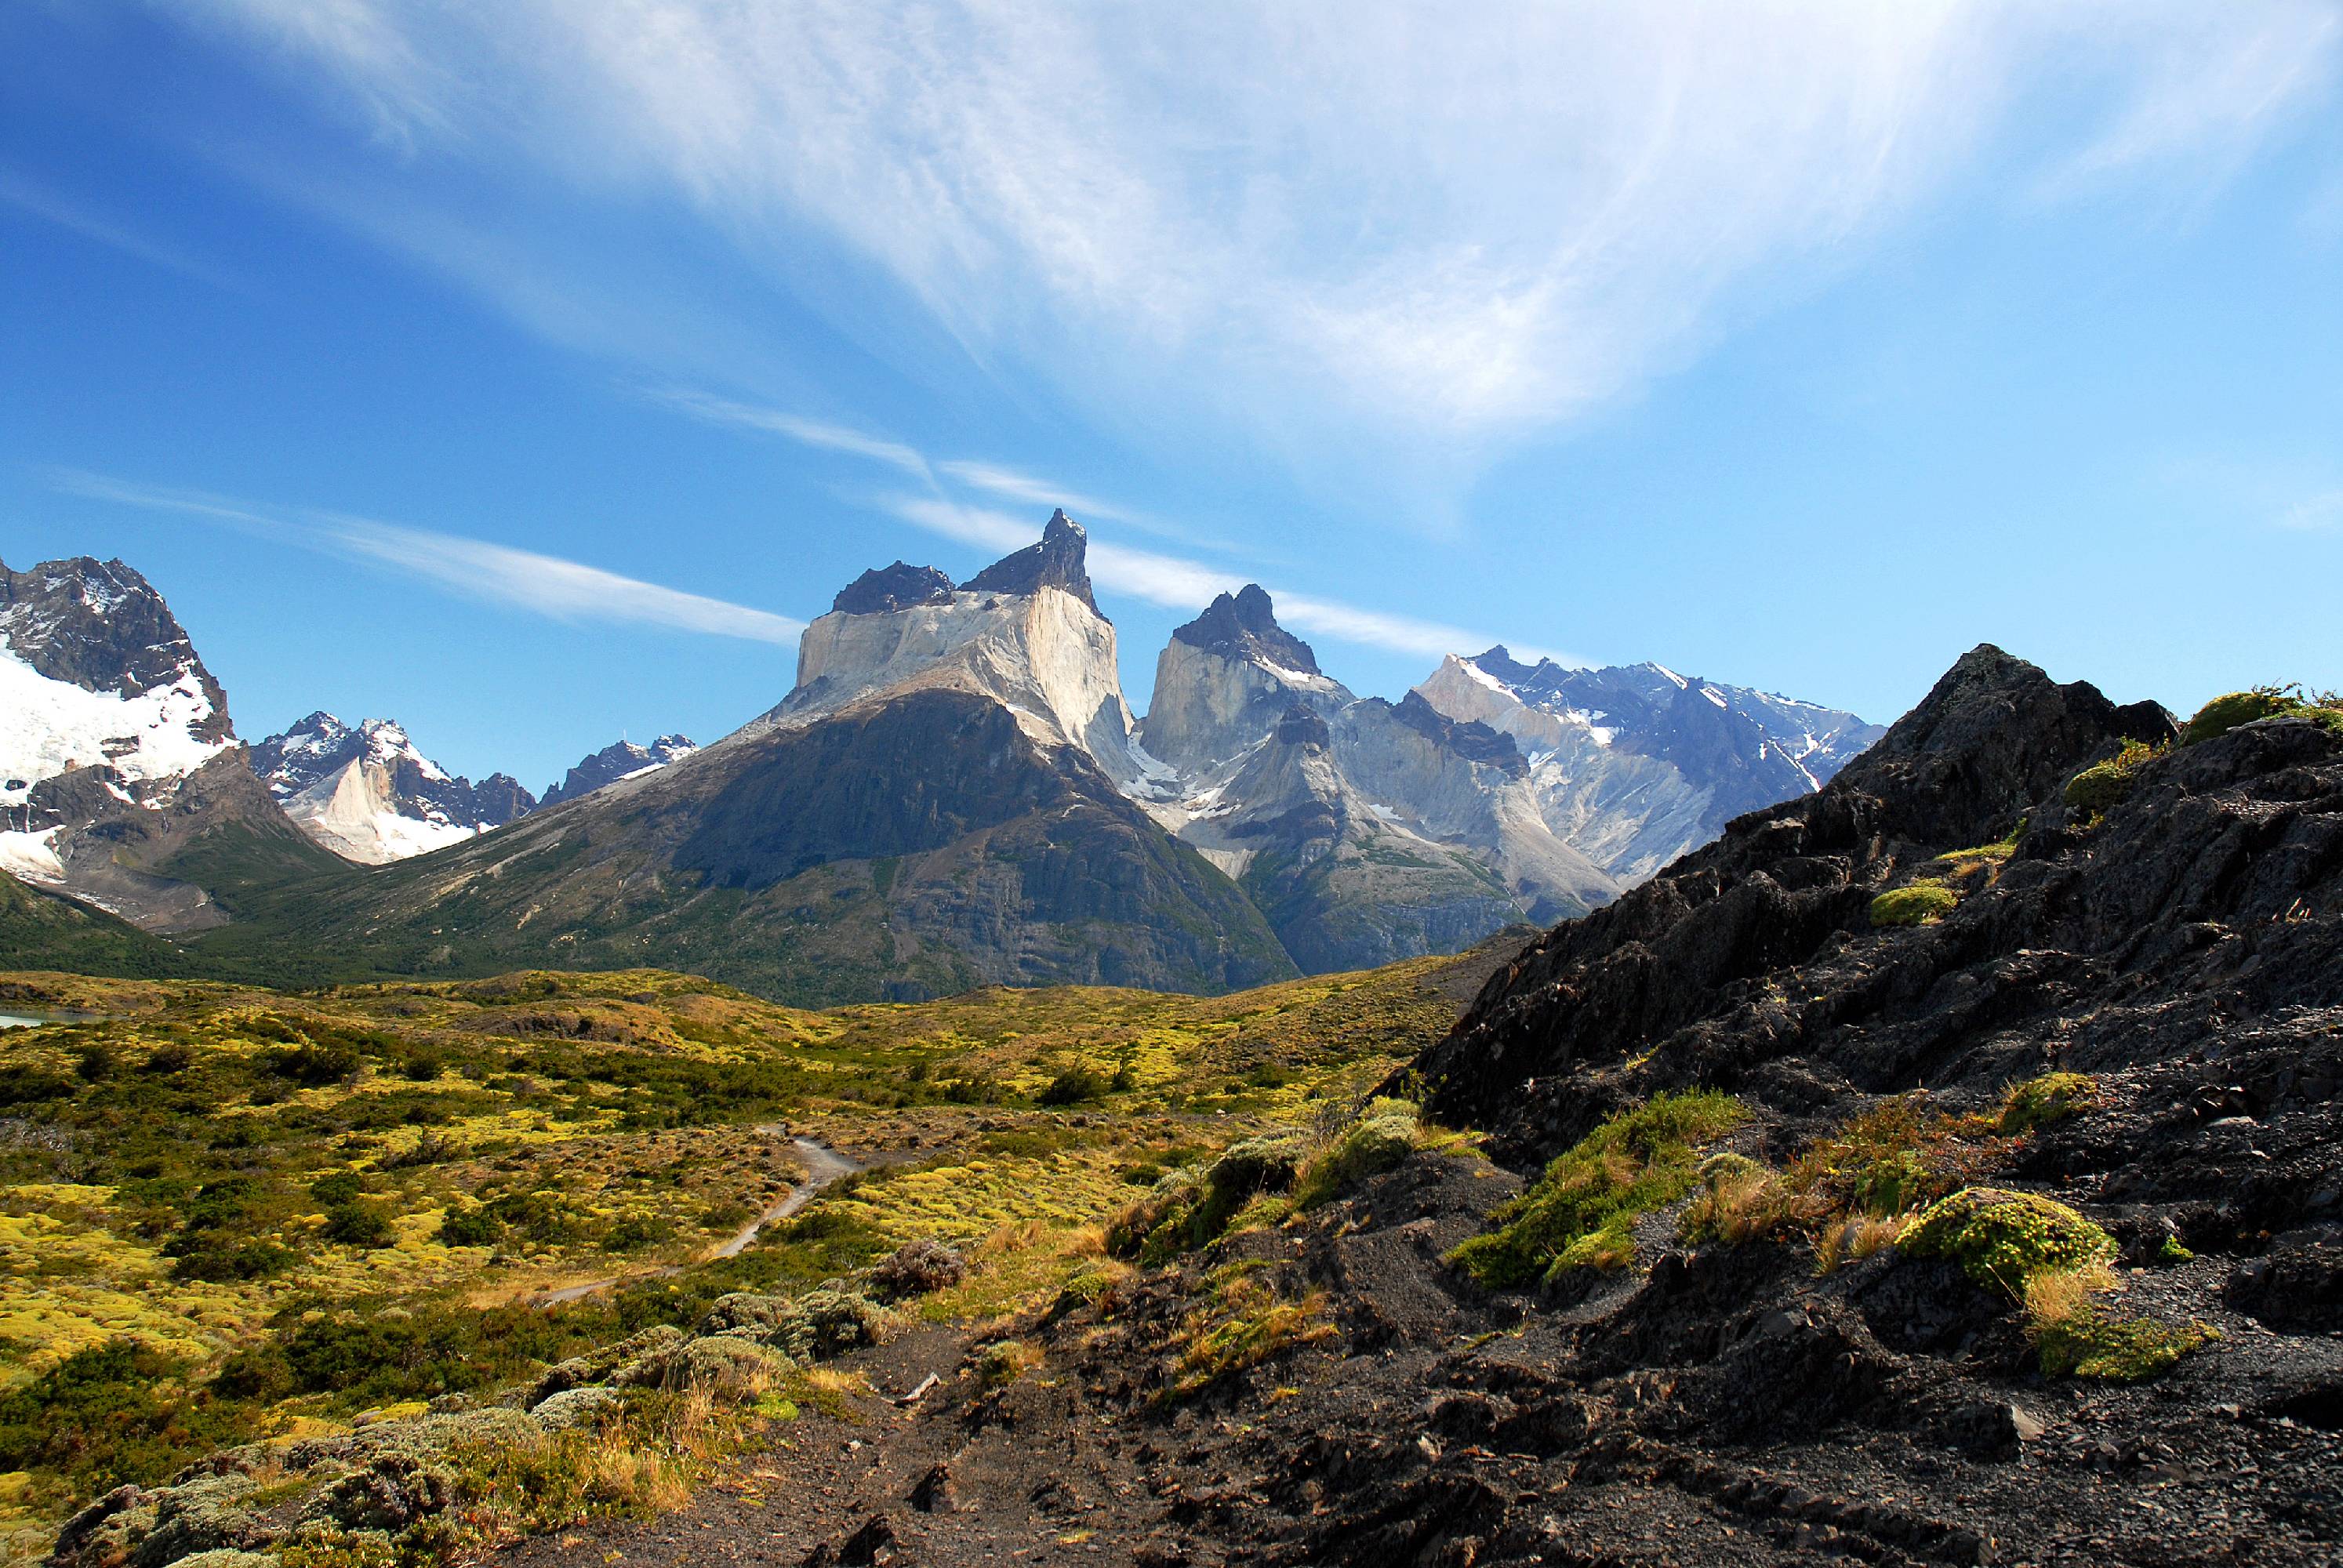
x: 1635, y: 764
x: 116, y: 752
x: 1366, y: 830
x: 621, y: 760
x: 95, y: 673
x: 368, y: 794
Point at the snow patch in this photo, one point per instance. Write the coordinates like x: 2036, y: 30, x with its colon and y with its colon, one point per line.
x: 47, y: 726
x: 33, y: 857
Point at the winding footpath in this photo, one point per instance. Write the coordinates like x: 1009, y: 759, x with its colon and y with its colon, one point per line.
x: 824, y: 1165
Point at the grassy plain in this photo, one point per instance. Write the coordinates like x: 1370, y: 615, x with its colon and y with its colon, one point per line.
x: 229, y: 1213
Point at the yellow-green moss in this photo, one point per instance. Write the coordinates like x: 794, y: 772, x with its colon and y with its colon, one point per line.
x: 1580, y: 1211
x: 2045, y: 1101
x: 1914, y: 904
x: 2002, y: 1238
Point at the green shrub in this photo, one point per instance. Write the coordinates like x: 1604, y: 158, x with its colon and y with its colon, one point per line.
x: 1192, y: 1206
x: 2103, y: 786
x: 1580, y: 1211
x: 1916, y: 904
x: 1073, y: 1086
x: 314, y: 1065
x: 476, y: 1226
x: 2049, y: 1098
x: 2226, y: 713
x: 2001, y: 1238
x: 358, y: 1225
x: 1368, y: 1147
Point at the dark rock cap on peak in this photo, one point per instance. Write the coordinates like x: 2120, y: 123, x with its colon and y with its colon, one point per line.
x: 898, y: 586
x: 1056, y: 562
x: 1243, y: 625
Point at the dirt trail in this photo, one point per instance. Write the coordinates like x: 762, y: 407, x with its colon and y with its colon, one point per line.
x: 824, y: 1165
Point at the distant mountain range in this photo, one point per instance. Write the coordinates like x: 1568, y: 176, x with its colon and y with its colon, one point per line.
x: 954, y: 792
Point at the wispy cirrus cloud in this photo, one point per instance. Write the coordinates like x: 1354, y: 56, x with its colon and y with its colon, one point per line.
x: 32, y: 196
x: 1374, y: 238
x: 2315, y: 513
x: 804, y: 431
x: 1186, y: 585
x: 1174, y: 582
x: 494, y: 574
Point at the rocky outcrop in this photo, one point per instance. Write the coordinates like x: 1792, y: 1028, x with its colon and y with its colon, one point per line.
x: 1056, y: 562
x: 2123, y: 1036
x: 1243, y: 625
x: 1023, y: 633
x: 886, y: 589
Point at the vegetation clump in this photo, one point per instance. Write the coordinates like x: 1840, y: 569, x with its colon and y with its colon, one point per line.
x: 1915, y: 903
x: 1246, y: 1322
x: 2234, y: 709
x: 1377, y: 1142
x: 920, y: 1267
x: 1192, y: 1206
x: 2004, y: 1239
x: 2075, y: 1336
x: 2103, y: 786
x: 1581, y: 1212
x: 2046, y: 1100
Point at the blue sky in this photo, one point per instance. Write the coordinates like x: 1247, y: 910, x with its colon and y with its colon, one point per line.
x: 531, y: 372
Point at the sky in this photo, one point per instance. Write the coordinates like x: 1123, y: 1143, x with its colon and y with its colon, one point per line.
x: 531, y: 372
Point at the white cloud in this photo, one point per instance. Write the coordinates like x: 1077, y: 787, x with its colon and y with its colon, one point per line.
x: 1189, y: 586
x: 2315, y: 513
x: 496, y: 574
x: 2211, y: 83
x: 805, y: 432
x: 1372, y: 235
x: 29, y: 195
x: 1008, y: 482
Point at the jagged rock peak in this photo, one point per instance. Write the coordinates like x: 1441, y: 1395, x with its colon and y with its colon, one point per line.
x: 1994, y: 734
x: 1243, y: 625
x: 1468, y: 738
x: 624, y: 758
x: 101, y: 626
x: 1056, y: 562
x: 894, y: 588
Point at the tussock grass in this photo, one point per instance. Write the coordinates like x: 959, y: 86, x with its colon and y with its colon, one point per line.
x: 1580, y: 1213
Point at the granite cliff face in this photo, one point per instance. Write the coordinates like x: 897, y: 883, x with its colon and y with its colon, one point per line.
x: 121, y: 779
x: 1365, y: 832
x: 1023, y: 633
x: 939, y: 804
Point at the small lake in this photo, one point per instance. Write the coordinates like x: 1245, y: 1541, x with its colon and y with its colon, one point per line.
x: 20, y: 1021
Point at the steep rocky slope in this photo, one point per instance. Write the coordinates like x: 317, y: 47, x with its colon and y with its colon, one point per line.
x: 368, y: 794
x: 1024, y: 633
x: 2009, y: 1234
x: 1634, y: 765
x: 121, y: 779
x: 918, y: 844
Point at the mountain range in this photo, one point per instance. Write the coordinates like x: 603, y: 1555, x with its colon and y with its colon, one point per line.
x: 954, y: 792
